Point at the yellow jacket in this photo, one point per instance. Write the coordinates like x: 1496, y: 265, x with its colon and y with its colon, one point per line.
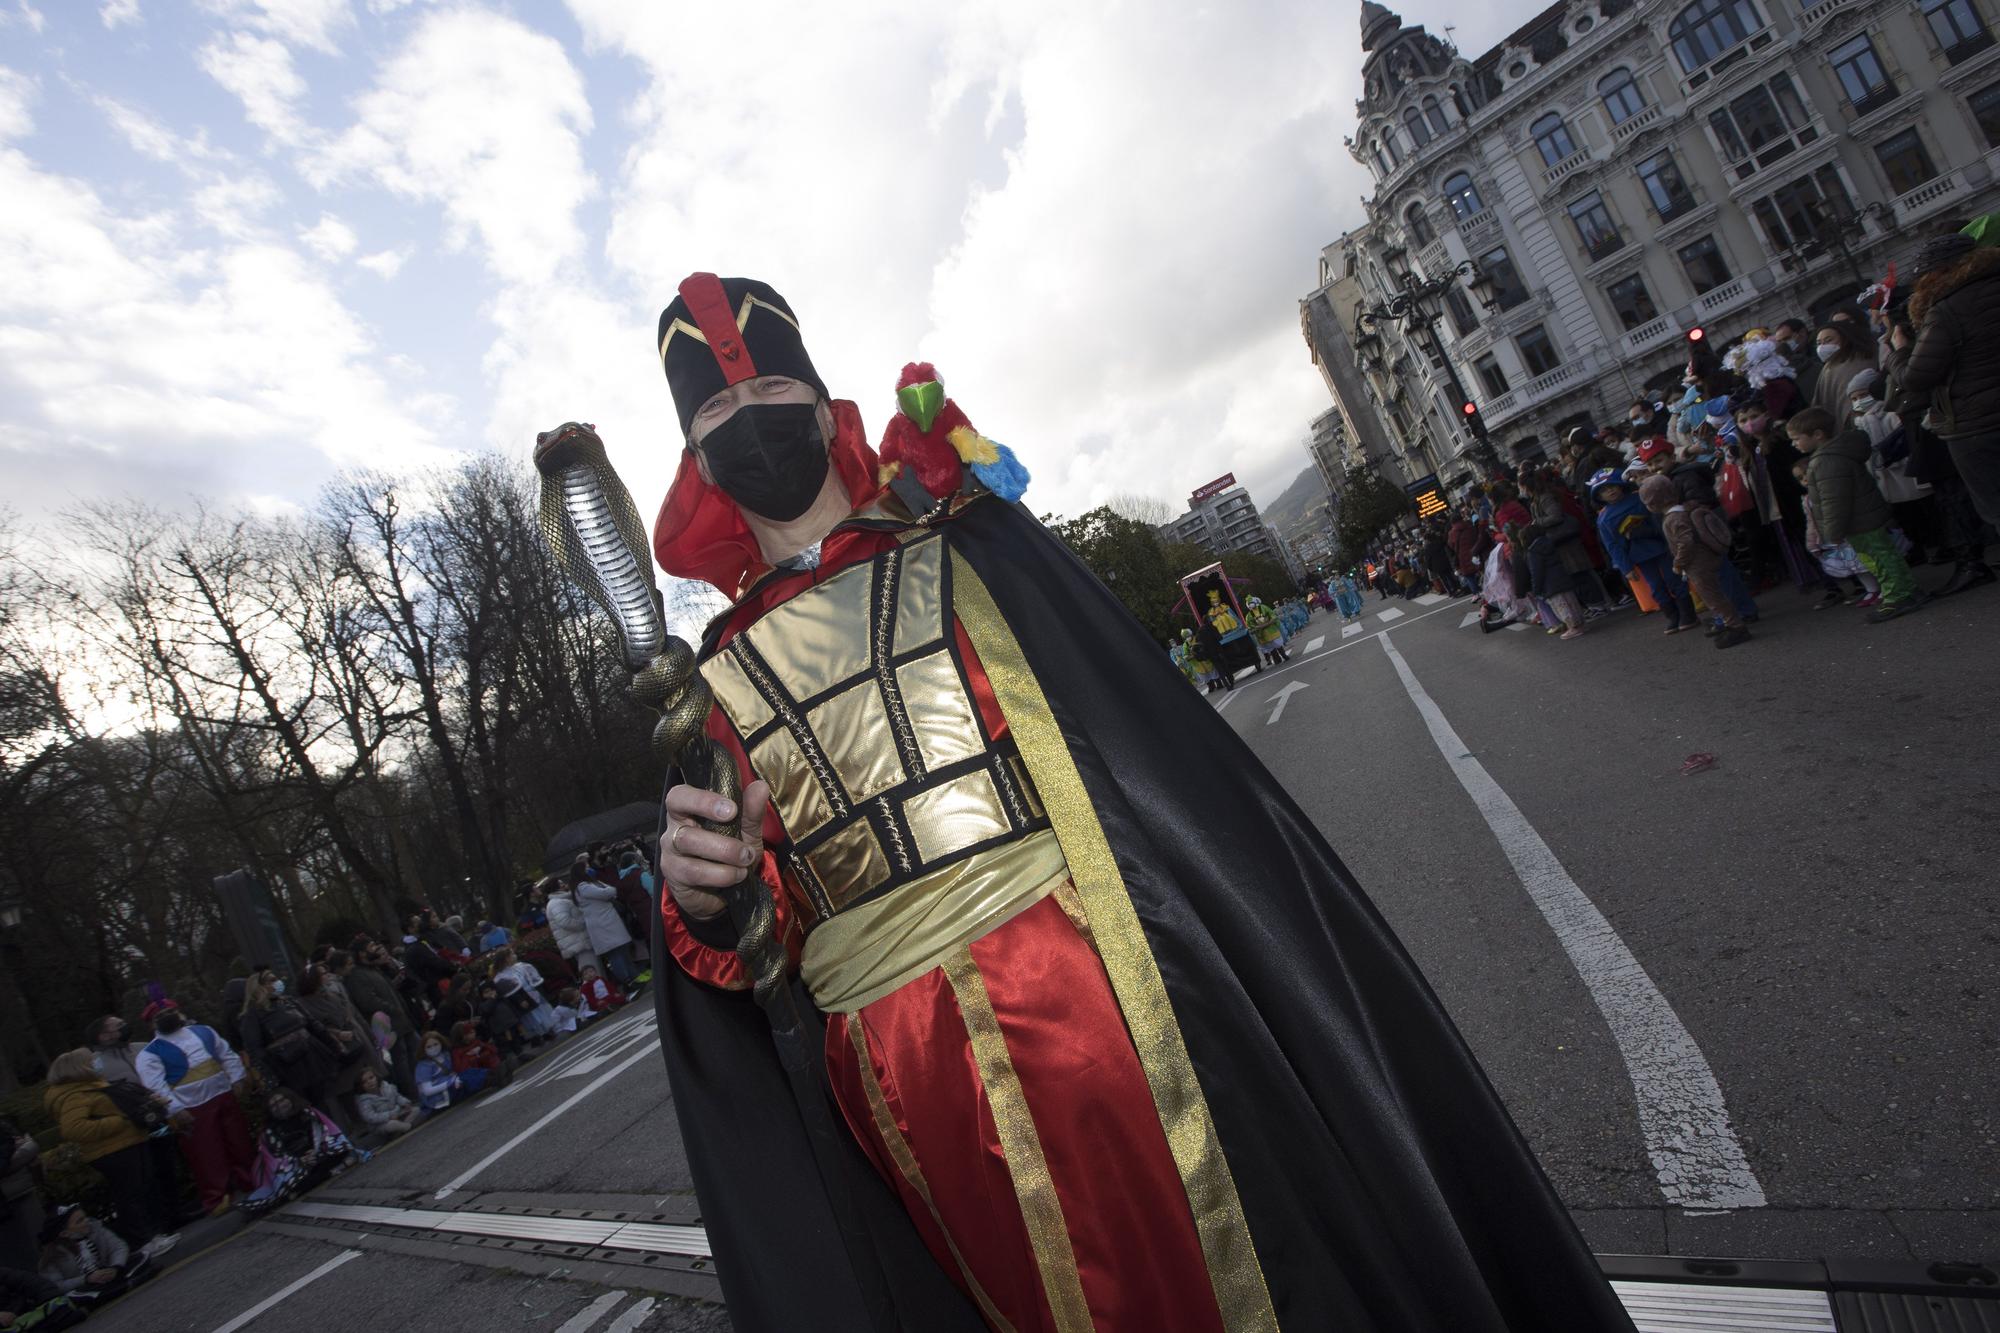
x: 90, y: 1119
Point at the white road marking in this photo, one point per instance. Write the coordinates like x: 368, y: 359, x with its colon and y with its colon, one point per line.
x: 597, y: 1045
x: 1315, y: 644
x: 1518, y: 625
x: 1393, y: 613
x: 1471, y: 618
x: 243, y: 1319
x: 585, y: 1319
x: 1228, y: 698
x: 1349, y: 631
x: 633, y: 1317
x: 460, y: 1181
x: 1430, y: 599
x: 1694, y: 1149
x: 645, y: 1237
x: 1281, y: 698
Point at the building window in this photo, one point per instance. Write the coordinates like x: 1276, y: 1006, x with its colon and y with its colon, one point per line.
x: 1507, y: 289
x: 1957, y: 27
x: 1381, y: 162
x: 1389, y: 142
x: 1463, y: 318
x: 1419, y: 132
x: 1490, y: 375
x: 1594, y: 226
x: 1762, y: 125
x: 1703, y: 263
x: 1435, y: 114
x: 1708, y: 28
x: 1795, y: 212
x: 1906, y: 161
x: 1460, y: 194
x: 1631, y: 302
x: 1669, y: 193
x: 1538, y: 354
x: 1861, y: 74
x: 1985, y: 106
x: 1419, y: 225
x: 1552, y: 137
x: 1621, y: 95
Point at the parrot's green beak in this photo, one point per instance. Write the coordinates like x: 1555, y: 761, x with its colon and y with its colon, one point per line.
x: 921, y: 403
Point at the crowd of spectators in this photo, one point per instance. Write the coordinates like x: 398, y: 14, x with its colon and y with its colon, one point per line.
x: 302, y: 1076
x: 1835, y: 459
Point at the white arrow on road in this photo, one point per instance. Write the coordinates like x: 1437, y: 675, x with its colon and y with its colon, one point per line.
x: 1471, y: 618
x: 1281, y: 698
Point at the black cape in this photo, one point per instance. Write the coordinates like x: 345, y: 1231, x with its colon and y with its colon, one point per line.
x: 1384, y: 1186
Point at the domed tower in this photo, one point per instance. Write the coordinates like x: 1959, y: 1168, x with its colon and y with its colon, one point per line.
x: 1415, y: 90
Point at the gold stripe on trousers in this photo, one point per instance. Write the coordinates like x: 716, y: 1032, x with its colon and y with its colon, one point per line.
x: 1241, y: 1293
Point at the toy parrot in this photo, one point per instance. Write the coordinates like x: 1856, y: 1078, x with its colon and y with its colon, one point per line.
x: 932, y: 441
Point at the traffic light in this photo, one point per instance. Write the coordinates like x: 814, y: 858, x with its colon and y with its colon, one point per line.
x: 1471, y: 408
x: 1695, y: 335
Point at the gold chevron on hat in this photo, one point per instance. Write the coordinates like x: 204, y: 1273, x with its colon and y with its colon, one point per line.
x: 742, y: 321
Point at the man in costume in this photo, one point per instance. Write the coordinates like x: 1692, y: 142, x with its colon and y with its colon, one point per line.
x: 1124, y: 1046
x: 1265, y: 627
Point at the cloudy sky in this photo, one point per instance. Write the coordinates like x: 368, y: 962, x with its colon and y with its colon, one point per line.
x: 249, y: 243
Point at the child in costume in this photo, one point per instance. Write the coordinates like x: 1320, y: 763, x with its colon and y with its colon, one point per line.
x: 298, y: 1149
x: 1635, y: 544
x: 1265, y: 628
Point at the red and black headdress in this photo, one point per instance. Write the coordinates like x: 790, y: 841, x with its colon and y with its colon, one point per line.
x: 722, y: 331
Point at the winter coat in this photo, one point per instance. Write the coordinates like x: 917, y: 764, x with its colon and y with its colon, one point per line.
x: 1894, y: 479
x: 119, y: 1062
x: 1845, y: 499
x: 1464, y: 545
x: 68, y: 1267
x: 88, y: 1117
x: 1688, y: 550
x: 372, y: 994
x: 1694, y: 483
x: 1630, y: 533
x: 598, y: 902
x: 566, y: 922
x: 434, y: 1078
x: 380, y: 1107
x: 1953, y: 367
x: 1830, y: 392
x: 1565, y: 535
x: 304, y: 1062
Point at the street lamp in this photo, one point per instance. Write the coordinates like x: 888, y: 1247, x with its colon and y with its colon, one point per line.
x: 1834, y: 234
x: 1414, y: 304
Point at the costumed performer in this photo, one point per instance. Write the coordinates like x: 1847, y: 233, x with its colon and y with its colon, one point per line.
x: 1123, y: 1043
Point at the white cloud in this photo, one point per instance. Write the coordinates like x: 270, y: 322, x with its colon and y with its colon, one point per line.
x: 236, y: 206
x: 385, y: 264
x: 259, y: 71
x: 154, y: 139
x: 117, y: 13
x: 330, y: 238
x: 26, y: 15
x: 482, y: 115
x: 135, y: 356
x: 313, y: 23
x: 17, y: 97
x: 1097, y: 223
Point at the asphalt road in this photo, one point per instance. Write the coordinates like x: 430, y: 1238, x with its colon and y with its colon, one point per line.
x: 1815, y: 914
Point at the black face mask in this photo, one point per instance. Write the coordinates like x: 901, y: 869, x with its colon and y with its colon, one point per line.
x: 770, y: 458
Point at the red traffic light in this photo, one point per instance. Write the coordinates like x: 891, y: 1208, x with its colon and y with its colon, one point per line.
x: 1472, y: 409
x: 1696, y: 335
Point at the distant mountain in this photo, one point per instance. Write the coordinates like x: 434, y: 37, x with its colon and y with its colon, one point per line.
x: 1290, y: 511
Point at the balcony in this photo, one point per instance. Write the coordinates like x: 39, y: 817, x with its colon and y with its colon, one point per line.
x: 1623, y: 131
x: 1501, y: 406
x: 1926, y: 198
x: 1648, y: 335
x: 1717, y: 300
x: 1433, y: 258
x: 1556, y: 380
x: 1817, y: 14
x: 1566, y: 167
x: 1479, y: 228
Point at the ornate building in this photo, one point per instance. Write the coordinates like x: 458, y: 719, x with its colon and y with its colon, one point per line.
x: 1624, y: 172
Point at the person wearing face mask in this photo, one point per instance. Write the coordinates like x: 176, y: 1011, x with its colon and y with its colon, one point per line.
x: 1842, y: 354
x: 1027, y: 917
x: 196, y: 1071
x: 1795, y: 344
x: 1909, y: 500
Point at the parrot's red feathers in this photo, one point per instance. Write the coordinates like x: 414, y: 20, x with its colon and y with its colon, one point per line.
x: 917, y: 372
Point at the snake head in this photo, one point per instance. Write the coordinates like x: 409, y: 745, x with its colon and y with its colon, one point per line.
x: 568, y: 444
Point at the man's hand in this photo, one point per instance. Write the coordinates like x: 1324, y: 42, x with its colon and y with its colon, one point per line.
x: 1897, y: 338
x: 697, y: 863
